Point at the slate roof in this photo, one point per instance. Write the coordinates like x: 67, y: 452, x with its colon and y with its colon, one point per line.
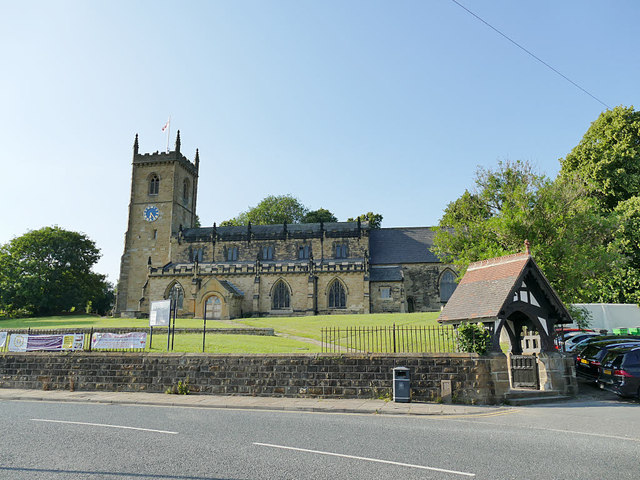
x: 230, y: 287
x: 401, y: 245
x: 392, y: 273
x: 485, y: 288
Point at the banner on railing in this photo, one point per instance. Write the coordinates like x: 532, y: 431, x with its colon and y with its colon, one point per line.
x: 3, y: 339
x: 21, y: 342
x: 106, y: 341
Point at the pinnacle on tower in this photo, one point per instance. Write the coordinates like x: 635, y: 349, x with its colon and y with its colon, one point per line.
x: 197, y: 159
x: 135, y: 145
x: 178, y: 142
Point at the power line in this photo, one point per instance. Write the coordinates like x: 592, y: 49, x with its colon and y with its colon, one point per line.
x: 531, y: 54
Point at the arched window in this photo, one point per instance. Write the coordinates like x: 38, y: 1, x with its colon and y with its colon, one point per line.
x: 337, y: 295
x: 281, y: 296
x: 154, y: 185
x: 447, y: 285
x: 177, y: 294
x: 185, y: 190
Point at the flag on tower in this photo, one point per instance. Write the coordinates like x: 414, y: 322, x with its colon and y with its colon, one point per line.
x: 166, y: 125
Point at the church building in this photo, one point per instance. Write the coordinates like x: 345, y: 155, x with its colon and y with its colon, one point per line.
x: 264, y: 270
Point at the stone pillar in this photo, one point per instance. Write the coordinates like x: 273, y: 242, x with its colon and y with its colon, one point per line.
x: 500, y: 382
x: 366, y: 301
x: 312, y: 295
x: 256, y: 295
x: 557, y: 372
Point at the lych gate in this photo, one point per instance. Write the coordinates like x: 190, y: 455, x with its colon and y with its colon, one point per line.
x: 512, y: 297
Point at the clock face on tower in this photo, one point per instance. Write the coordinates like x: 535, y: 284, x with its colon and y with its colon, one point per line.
x: 151, y: 213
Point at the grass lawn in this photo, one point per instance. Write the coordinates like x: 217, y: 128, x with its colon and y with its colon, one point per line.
x: 310, y: 326
x: 192, y: 342
x: 307, y: 327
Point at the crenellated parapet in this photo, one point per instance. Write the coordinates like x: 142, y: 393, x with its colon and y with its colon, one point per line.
x: 258, y: 268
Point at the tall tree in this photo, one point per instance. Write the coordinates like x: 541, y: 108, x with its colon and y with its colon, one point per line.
x: 48, y: 271
x: 374, y: 219
x: 607, y: 162
x: 320, y: 215
x: 272, y: 209
x: 607, y: 159
x: 512, y: 203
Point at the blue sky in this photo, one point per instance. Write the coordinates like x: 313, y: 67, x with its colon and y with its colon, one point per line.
x: 352, y: 106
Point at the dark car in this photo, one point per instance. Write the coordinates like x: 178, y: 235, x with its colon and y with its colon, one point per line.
x: 620, y: 372
x: 589, y: 359
x: 603, y: 338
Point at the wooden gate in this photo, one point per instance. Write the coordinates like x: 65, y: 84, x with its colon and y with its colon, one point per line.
x: 524, y: 371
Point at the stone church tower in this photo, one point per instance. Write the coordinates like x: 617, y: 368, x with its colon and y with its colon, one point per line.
x: 163, y: 202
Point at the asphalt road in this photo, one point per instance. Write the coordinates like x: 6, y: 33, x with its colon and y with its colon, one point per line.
x: 591, y: 438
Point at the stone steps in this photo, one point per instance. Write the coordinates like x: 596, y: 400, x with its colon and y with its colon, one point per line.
x: 520, y: 397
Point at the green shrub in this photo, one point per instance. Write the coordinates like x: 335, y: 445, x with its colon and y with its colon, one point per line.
x: 473, y: 338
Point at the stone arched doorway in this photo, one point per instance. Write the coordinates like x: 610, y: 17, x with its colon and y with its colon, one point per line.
x: 213, y: 308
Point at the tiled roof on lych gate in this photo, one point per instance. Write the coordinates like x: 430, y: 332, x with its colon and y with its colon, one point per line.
x: 485, y: 288
x: 402, y: 245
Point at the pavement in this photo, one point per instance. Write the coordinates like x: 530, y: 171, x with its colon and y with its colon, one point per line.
x: 347, y: 405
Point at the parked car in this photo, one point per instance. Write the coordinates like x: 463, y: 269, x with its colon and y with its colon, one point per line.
x: 602, y: 338
x: 620, y: 372
x: 562, y: 337
x: 589, y: 359
x: 571, y: 343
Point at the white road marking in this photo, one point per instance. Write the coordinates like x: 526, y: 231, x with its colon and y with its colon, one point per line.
x: 366, y: 459
x: 546, y: 429
x: 103, y: 425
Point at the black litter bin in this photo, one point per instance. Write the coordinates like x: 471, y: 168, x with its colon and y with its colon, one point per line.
x: 401, y: 385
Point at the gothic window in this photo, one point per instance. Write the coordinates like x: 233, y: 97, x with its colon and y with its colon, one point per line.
x: 304, y: 251
x: 267, y: 253
x: 232, y: 254
x: 341, y: 250
x: 281, y: 296
x: 154, y: 185
x: 447, y: 285
x: 177, y: 295
x: 337, y: 295
x: 185, y: 190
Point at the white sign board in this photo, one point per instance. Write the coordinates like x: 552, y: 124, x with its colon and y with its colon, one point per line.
x: 133, y: 340
x: 160, y: 313
x: 3, y: 339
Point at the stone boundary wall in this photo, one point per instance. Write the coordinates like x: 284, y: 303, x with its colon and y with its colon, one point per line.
x: 473, y: 379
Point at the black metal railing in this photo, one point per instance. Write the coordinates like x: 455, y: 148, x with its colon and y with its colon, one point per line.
x: 390, y: 339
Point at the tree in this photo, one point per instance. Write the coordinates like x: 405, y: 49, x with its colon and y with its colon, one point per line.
x: 374, y: 219
x: 48, y: 271
x: 607, y: 159
x: 271, y: 210
x: 320, y: 215
x: 569, y: 237
x: 607, y: 162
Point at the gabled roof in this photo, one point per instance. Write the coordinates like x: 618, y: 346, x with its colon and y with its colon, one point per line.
x: 488, y: 287
x: 402, y: 245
